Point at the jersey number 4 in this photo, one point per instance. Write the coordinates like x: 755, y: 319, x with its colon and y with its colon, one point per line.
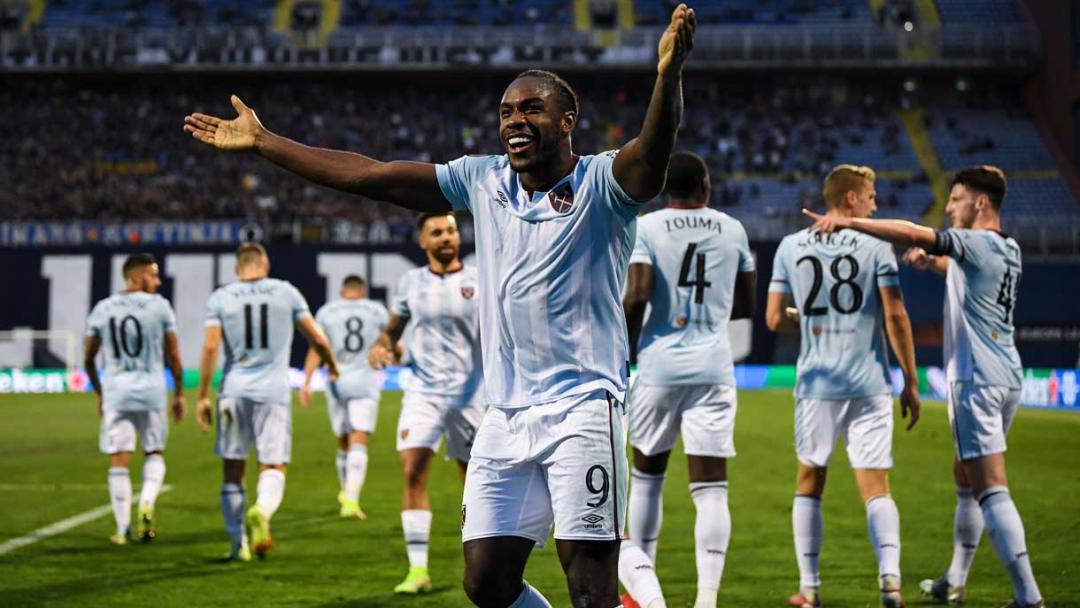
x: 842, y: 280
x: 691, y: 257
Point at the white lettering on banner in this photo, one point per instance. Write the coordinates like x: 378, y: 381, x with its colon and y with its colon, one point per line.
x: 192, y: 276
x: 336, y: 266
x: 386, y: 269
x: 69, y: 279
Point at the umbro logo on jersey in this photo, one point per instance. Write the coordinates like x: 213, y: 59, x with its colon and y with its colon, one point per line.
x: 502, y: 199
x: 592, y: 518
x: 562, y: 199
x: 468, y: 292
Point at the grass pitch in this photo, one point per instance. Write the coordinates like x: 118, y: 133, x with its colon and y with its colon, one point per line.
x: 50, y: 470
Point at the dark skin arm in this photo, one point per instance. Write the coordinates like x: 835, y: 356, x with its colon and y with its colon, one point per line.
x: 641, y: 166
x: 745, y: 301
x: 409, y: 184
x: 639, y: 286
x: 172, y: 361
x: 91, y: 345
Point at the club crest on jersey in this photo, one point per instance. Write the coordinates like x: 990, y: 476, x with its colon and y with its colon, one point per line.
x: 562, y: 199
x: 468, y: 292
x: 816, y: 330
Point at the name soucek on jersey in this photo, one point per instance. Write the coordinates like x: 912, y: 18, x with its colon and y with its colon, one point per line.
x: 352, y: 326
x: 695, y: 255
x: 132, y: 326
x: 833, y: 280
x: 981, y: 286
x: 257, y: 320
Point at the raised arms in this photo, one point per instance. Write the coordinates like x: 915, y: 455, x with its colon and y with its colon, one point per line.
x: 641, y: 166
x: 408, y: 184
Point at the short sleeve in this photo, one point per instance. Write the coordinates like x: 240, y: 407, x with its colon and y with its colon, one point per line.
x: 168, y: 317
x: 746, y: 257
x: 642, y: 253
x: 95, y: 323
x: 886, y: 268
x: 456, y: 179
x: 606, y: 184
x: 781, y: 274
x: 213, y: 310
x: 400, y: 305
x: 964, y: 246
x: 299, y: 305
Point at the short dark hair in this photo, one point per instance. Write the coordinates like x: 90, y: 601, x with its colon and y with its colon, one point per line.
x: 424, y: 217
x: 568, y: 99
x: 983, y: 179
x: 137, y: 261
x: 248, y: 252
x: 354, y: 281
x: 686, y: 171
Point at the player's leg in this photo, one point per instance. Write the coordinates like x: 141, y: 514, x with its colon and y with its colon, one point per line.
x: 272, y: 426
x: 868, y: 433
x: 117, y: 439
x: 153, y: 432
x: 591, y: 568
x: 816, y: 425
x: 982, y: 418
x: 235, y: 434
x: 494, y: 573
x: 637, y: 553
x: 951, y: 587
x: 339, y: 463
x: 336, y: 413
x: 360, y: 415
x: 708, y: 429
x: 654, y: 417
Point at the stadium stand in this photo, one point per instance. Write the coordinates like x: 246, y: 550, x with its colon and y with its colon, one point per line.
x: 978, y: 11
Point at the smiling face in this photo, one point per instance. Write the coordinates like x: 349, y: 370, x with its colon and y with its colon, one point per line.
x: 533, y: 124
x: 439, y: 237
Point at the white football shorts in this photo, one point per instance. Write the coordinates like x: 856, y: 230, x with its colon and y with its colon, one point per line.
x: 243, y: 422
x: 865, y: 423
x: 704, y: 414
x: 561, y: 463
x: 120, y: 427
x: 351, y: 415
x: 426, y: 418
x: 980, y: 417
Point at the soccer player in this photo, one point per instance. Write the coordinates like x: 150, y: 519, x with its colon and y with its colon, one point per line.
x: 692, y: 266
x: 842, y: 285
x: 554, y: 232
x: 982, y: 277
x: 138, y: 328
x: 351, y: 324
x: 254, y: 318
x: 439, y: 304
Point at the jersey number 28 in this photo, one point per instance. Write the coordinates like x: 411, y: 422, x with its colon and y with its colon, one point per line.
x: 844, y: 271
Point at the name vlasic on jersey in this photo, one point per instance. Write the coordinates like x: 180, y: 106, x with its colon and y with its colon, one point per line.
x: 834, y: 280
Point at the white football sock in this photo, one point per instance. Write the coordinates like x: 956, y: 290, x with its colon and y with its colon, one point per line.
x: 355, y: 471
x: 530, y: 598
x: 967, y: 531
x: 417, y: 527
x: 120, y: 496
x: 809, y: 527
x: 646, y: 510
x: 342, y: 455
x: 883, y: 524
x: 270, y: 491
x: 233, y: 505
x: 712, y: 531
x: 1006, y: 533
x: 153, y: 475
x: 637, y: 574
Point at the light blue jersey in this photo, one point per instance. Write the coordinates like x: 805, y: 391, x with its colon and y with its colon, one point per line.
x: 444, y: 331
x: 132, y: 326
x: 257, y: 319
x: 552, y: 268
x: 352, y: 327
x: 981, y: 288
x: 695, y: 255
x: 833, y: 280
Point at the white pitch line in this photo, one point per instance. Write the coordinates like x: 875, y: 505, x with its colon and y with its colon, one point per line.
x: 60, y: 527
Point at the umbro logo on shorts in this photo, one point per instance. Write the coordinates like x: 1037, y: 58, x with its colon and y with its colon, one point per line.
x: 592, y: 518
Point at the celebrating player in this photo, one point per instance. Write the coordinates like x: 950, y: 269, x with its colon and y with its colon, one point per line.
x: 841, y: 284
x: 439, y: 303
x: 255, y: 316
x: 692, y: 265
x: 554, y: 234
x: 138, y: 327
x: 351, y: 324
x: 982, y: 276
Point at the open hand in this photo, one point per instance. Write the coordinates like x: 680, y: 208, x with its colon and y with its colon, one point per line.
x: 827, y: 223
x: 236, y: 134
x: 677, y: 41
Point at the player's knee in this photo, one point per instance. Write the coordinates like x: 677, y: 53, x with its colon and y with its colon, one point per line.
x: 487, y: 587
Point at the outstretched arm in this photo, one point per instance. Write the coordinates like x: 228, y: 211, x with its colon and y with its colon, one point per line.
x: 899, y: 232
x: 408, y: 184
x: 641, y: 166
